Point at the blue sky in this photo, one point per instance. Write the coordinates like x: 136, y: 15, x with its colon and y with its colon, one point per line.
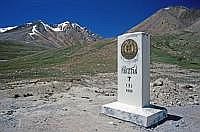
x: 108, y: 18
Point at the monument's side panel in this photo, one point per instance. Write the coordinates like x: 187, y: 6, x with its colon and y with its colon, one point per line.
x: 145, y: 69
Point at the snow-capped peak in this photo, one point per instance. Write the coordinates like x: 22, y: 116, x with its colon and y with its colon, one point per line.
x: 35, y: 31
x: 65, y: 25
x: 77, y: 25
x: 66, y: 22
x: 2, y: 30
x: 44, y: 24
x: 54, y: 35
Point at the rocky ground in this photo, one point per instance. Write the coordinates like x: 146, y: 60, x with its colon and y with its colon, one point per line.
x: 74, y: 105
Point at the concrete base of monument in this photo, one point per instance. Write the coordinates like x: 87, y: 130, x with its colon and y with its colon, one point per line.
x: 146, y: 117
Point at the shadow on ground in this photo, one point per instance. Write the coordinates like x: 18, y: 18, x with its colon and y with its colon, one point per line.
x: 169, y: 118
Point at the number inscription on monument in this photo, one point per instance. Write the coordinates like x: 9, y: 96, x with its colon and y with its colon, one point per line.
x: 129, y: 49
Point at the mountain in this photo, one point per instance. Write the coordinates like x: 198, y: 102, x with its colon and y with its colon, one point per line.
x: 58, y: 35
x: 175, y: 33
x: 195, y: 27
x: 169, y: 20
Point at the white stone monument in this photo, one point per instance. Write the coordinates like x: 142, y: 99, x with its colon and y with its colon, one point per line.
x: 134, y: 82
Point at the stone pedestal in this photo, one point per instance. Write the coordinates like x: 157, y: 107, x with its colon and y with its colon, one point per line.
x: 146, y: 116
x: 134, y: 82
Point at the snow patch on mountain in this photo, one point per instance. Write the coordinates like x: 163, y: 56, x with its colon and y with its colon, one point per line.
x: 2, y: 30
x: 34, y: 31
x: 63, y: 25
x: 66, y: 25
x: 167, y: 8
x: 29, y: 23
x: 57, y: 29
x: 45, y: 25
x: 77, y: 25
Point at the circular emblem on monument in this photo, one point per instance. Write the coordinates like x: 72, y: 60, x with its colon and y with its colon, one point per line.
x: 129, y: 49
